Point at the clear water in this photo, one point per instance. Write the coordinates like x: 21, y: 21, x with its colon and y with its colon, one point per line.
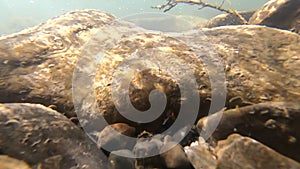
x: 16, y: 15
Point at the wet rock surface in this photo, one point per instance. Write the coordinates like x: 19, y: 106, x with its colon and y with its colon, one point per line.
x: 271, y: 52
x: 37, y: 134
x: 36, y: 65
x: 261, y: 67
x: 173, y: 156
x: 226, y: 19
x: 110, y: 137
x: 283, y: 14
x: 242, y: 152
x: 274, y: 124
x: 201, y: 156
x: 11, y: 163
x: 119, y: 162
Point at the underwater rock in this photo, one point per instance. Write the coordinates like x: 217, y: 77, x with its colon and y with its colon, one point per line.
x: 243, y: 152
x: 283, y: 14
x: 41, y: 136
x: 121, y: 162
x: 173, y: 156
x: 261, y: 63
x: 51, y: 162
x: 7, y: 162
x: 275, y: 124
x: 273, y: 75
x: 110, y: 137
x: 147, y: 154
x: 36, y: 64
x: 226, y: 19
x: 200, y: 157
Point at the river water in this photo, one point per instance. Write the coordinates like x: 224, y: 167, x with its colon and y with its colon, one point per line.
x: 16, y: 15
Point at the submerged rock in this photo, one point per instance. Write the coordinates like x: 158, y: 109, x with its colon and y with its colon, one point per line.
x: 200, y: 156
x: 283, y: 14
x: 36, y: 65
x: 110, y: 138
x: 227, y: 19
x: 274, y: 124
x: 121, y: 162
x: 243, y: 152
x: 7, y: 162
x: 273, y: 75
x: 40, y: 71
x: 173, y: 156
x: 260, y: 64
x: 43, y: 137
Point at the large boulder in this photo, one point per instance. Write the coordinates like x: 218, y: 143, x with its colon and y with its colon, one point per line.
x: 273, y: 75
x: 36, y: 65
x: 260, y: 64
x: 43, y: 137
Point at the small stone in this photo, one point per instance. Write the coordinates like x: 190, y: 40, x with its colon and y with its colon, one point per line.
x: 147, y: 152
x: 173, y: 156
x: 200, y: 157
x: 111, y: 137
x: 121, y: 159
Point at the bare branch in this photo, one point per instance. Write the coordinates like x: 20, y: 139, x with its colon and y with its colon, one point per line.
x: 222, y: 3
x: 166, y: 7
x: 172, y: 3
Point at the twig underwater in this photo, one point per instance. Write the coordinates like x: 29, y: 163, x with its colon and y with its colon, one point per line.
x: 172, y: 3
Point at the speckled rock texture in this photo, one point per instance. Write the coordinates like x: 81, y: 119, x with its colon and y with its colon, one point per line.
x: 36, y: 65
x: 274, y: 124
x: 43, y: 70
x: 43, y: 137
x: 273, y: 75
x: 237, y: 152
x: 226, y: 19
x: 201, y: 157
x: 283, y: 14
x: 260, y: 64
